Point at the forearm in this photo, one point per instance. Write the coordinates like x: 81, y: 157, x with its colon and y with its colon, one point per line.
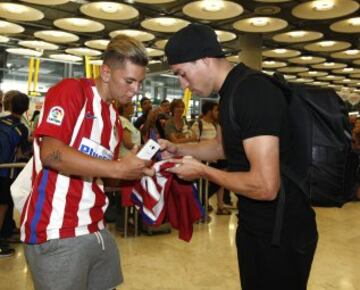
x: 249, y: 184
x: 70, y: 161
x: 205, y: 150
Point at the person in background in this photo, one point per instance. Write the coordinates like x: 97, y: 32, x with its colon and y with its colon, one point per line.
x: 206, y: 129
x: 76, y: 148
x: 14, y: 138
x: 176, y: 128
x: 146, y: 106
x: 165, y: 108
x: 1, y: 100
x: 161, y: 123
x: 34, y: 120
x: 131, y: 135
x: 275, y: 251
x: 6, y: 102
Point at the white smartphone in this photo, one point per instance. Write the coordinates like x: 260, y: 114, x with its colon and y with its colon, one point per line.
x: 148, y: 150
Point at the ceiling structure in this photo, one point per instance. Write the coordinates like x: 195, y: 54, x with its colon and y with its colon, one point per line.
x: 314, y: 42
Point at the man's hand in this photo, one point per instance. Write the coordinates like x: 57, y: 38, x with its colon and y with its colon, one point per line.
x: 167, y: 148
x: 134, y: 167
x: 188, y: 168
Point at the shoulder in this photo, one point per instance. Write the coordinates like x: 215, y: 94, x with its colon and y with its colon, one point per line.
x: 67, y: 87
x: 24, y: 130
x: 258, y: 89
x: 125, y: 123
x: 68, y: 83
x: 255, y: 82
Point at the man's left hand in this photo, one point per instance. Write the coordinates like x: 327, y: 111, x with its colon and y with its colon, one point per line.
x: 188, y: 168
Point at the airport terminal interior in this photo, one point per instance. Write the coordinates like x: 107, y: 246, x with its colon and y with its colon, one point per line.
x: 316, y: 43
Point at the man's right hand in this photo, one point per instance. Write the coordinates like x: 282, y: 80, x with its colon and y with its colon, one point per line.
x: 167, y: 148
x: 131, y: 167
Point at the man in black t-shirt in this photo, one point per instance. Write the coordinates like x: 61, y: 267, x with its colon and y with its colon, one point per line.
x: 146, y: 106
x: 253, y: 154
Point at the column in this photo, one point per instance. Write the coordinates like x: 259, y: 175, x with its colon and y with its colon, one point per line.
x: 250, y: 46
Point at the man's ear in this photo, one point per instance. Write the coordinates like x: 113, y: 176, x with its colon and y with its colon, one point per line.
x: 105, y: 73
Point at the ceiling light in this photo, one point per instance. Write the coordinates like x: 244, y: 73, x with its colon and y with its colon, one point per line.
x: 313, y: 72
x: 110, y: 7
x: 4, y: 39
x: 79, y: 21
x: 259, y: 21
x: 348, y: 69
x: 297, y: 34
x: 290, y: 77
x: 15, y: 8
x: 346, y: 81
x: 131, y: 33
x: 355, y: 21
x: 329, y: 63
x: 306, y: 57
x: 327, y: 43
x: 24, y: 51
x: 352, y: 51
x: 280, y: 50
x: 323, y: 5
x: 269, y: 62
x: 166, y: 21
x: 212, y: 5
x: 55, y: 33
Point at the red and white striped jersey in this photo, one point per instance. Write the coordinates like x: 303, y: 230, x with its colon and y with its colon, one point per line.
x: 62, y: 206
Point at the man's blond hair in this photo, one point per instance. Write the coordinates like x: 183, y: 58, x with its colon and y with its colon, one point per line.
x: 122, y: 48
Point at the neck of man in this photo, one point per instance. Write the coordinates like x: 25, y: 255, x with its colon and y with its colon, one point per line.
x: 103, y: 90
x: 223, y: 68
x: 17, y: 116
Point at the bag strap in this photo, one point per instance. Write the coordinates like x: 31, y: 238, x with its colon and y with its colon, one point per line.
x: 279, y: 216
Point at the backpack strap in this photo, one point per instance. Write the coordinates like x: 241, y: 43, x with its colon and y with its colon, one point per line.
x: 279, y: 216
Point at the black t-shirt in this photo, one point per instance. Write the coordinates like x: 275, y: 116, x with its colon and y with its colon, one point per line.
x: 140, y: 121
x: 260, y: 109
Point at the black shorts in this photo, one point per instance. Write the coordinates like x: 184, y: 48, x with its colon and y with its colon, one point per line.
x: 5, y: 194
x: 287, y: 267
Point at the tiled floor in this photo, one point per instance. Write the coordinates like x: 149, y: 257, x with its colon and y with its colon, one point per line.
x: 208, y: 262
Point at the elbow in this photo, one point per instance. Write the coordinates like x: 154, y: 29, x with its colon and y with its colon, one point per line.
x: 270, y: 192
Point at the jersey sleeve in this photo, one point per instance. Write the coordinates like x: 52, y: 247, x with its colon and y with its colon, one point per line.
x: 259, y: 107
x: 62, y: 106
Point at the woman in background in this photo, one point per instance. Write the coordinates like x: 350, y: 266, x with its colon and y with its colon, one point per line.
x: 176, y: 128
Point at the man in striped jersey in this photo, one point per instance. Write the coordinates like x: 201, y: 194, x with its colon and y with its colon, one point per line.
x: 76, y: 144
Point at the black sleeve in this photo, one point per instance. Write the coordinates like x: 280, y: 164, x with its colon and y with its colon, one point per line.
x: 139, y: 121
x: 259, y: 107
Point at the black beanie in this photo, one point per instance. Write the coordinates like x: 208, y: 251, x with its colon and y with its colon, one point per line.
x: 193, y: 42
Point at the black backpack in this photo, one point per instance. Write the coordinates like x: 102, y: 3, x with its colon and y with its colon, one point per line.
x: 7, y: 148
x: 326, y: 167
x: 320, y: 131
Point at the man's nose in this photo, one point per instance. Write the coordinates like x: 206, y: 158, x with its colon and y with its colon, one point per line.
x: 184, y: 84
x: 136, y: 87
